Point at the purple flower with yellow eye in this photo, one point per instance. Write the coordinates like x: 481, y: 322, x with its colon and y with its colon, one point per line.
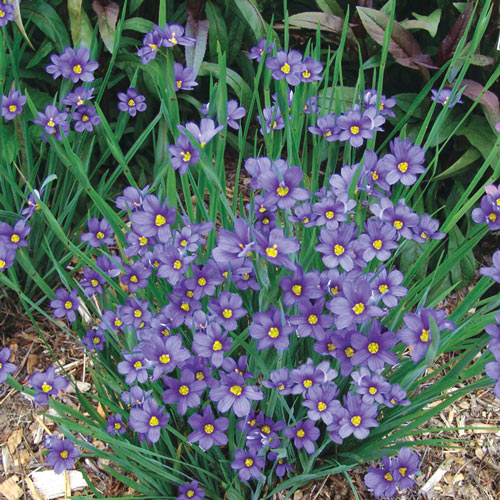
x: 149, y: 419
x: 330, y: 211
x: 100, y: 233
x: 47, y: 384
x: 6, y: 13
x: 269, y: 331
x: 360, y: 417
x: 150, y: 44
x: 76, y: 65
x: 279, y: 380
x: 286, y: 65
x: 258, y: 51
x: 183, y: 154
x: 5, y: 366
x: 401, y: 217
x: 487, y: 212
x: 207, y: 430
x: 311, y: 105
x: 445, y: 97
x: 136, y: 276
x: 78, y: 97
x: 383, y: 481
x: 326, y: 126
x: 301, y: 286
x: 15, y: 236
x: 154, y: 219
x: 355, y: 306
x: 370, y: 97
x: 203, y: 133
x: 311, y: 70
x: 248, y: 464
x: 372, y: 386
x: 233, y: 393
x: 133, y: 367
x: 272, y: 119
x: 94, y: 339
x: 12, y: 104
x: 65, y: 304
x: 354, y: 127
x: 131, y: 102
x: 212, y: 344
x: 427, y: 229
x: 284, y: 191
x: 304, y: 435
x: 232, y: 244
x: 85, y: 118
x: 321, y: 402
x: 227, y: 309
x: 62, y: 454
x: 387, y: 286
x: 185, y: 392
x: 173, y: 34
x: 115, y: 425
x: 378, y: 240
x: 311, y: 321
x: 53, y: 121
x: 234, y: 112
x: 308, y: 375
x: 336, y: 246
x: 165, y: 354
x: 190, y: 491
x: 276, y: 247
x: 184, y: 78
x: 404, y: 162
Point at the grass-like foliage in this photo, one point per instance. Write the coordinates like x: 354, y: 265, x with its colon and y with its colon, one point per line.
x: 279, y: 324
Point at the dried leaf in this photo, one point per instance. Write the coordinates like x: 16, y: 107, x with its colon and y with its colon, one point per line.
x: 10, y: 489
x: 489, y: 100
x: 450, y: 42
x: 106, y: 19
x: 403, y: 47
x: 19, y: 21
x: 14, y: 440
x: 327, y: 22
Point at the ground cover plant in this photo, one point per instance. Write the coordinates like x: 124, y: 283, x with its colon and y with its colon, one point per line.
x: 284, y: 331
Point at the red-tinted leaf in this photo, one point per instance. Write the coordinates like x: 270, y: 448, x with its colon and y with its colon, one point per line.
x: 450, y: 42
x: 489, y: 99
x: 327, y: 22
x: 195, y: 54
x: 106, y: 19
x: 403, y: 47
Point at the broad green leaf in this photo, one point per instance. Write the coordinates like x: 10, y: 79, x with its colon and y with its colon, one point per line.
x: 429, y: 23
x: 138, y: 24
x: 331, y: 7
x: 106, y: 20
x: 469, y: 156
x: 409, y: 255
x: 217, y: 29
x: 251, y: 14
x: 480, y: 135
x: 326, y: 22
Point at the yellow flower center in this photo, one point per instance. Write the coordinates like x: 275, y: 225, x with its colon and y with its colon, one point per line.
x: 185, y: 306
x: 330, y: 214
x: 131, y: 102
x: 68, y: 304
x: 172, y: 39
x: 383, y: 288
x: 307, y: 383
x: 80, y: 101
x: 330, y: 347
x: 398, y: 224
x: 372, y: 390
x: 134, y: 278
x: 236, y: 390
x: 280, y: 387
x: 190, y: 493
x: 177, y: 264
x: 338, y: 250
x: 312, y: 319
x: 85, y: 118
x: 300, y: 433
x: 117, y: 426
x: 186, y: 156
x: 393, y: 401
x: 424, y: 235
x: 51, y: 123
x: 349, y: 352
x: 137, y: 364
x: 77, y: 69
x: 183, y: 390
x: 165, y: 332
x: 265, y: 220
x: 306, y: 74
x: 164, y: 359
x: 202, y: 281
x: 137, y: 313
x: 153, y: 46
x: 179, y: 84
x: 359, y: 308
x: 227, y: 313
x: 374, y: 175
x: 266, y: 429
x: 297, y: 289
x: 203, y: 144
x: 403, y: 166
x: 285, y: 68
x: 373, y: 347
x: 160, y: 220
x: 99, y: 235
x: 153, y: 421
x: 64, y: 454
x: 282, y: 191
x: 118, y: 322
x: 217, y: 346
x: 94, y: 283
x: 249, y: 462
x: 12, y: 108
x: 200, y: 376
x: 425, y: 336
x: 388, y: 477
x: 354, y: 130
x: 271, y: 251
x: 46, y: 387
x: 209, y: 428
x: 402, y: 471
x: 273, y: 332
x: 377, y: 244
x: 356, y: 420
x: 334, y: 290
x: 96, y: 340
x: 328, y: 133
x: 321, y: 406
x: 143, y: 241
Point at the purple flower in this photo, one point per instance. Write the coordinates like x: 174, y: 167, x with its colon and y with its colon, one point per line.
x: 92, y: 282
x: 355, y: 306
x: 100, y: 232
x: 321, y: 402
x: 15, y: 236
x: 6, y: 13
x: 311, y: 105
x: 47, y: 384
x: 407, y: 463
x: 62, y: 454
x: 336, y: 246
x: 207, y: 430
x: 136, y: 276
x: 283, y: 191
x: 445, y: 97
x: 74, y: 65
x: 184, y: 78
x: 227, y: 309
x: 258, y: 51
x: 190, y: 491
x: 311, y: 321
x: 492, y: 370
x: 53, y: 121
x: 307, y: 376
x: 248, y: 464
x: 400, y: 216
x: 131, y: 102
x: 279, y: 380
x: 135, y: 397
x: 150, y: 44
x: 330, y: 211
x: 268, y: 329
x: 212, y: 344
x: 311, y: 70
x: 327, y: 127
x: 372, y: 386
x: 417, y: 332
x: 185, y: 392
x: 173, y: 35
x: 487, y: 212
x: 149, y: 419
x: 94, y: 339
x: 427, y: 229
x: 12, y: 104
x: 234, y: 112
x: 5, y: 366
x: 233, y: 393
x: 110, y: 266
x: 301, y: 286
x: 165, y: 354
x: 115, y: 425
x: 65, y: 304
x: 233, y: 244
x: 203, y: 133
x: 378, y: 240
x: 85, y: 118
x: 183, y: 154
x: 272, y: 119
x: 370, y: 101
x: 396, y: 396
x: 494, y: 271
x: 359, y: 417
x: 383, y: 481
x: 154, y: 219
x: 276, y: 247
x: 286, y: 65
x: 354, y: 127
x: 78, y: 97
x: 404, y: 162
x: 304, y: 435
x: 133, y: 367
x: 388, y: 287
